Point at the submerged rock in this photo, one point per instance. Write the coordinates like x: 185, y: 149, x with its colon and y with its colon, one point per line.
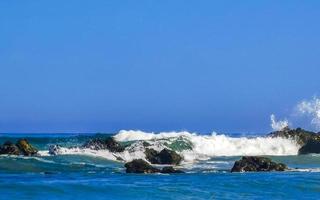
x: 311, y: 146
x: 26, y: 148
x: 310, y: 141
x: 165, y: 156
x: 109, y: 144
x: 140, y: 166
x: 170, y: 170
x: 257, y: 164
x: 9, y: 148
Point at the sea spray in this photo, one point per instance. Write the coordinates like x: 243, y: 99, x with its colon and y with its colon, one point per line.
x: 219, y: 145
x: 191, y: 146
x: 278, y: 125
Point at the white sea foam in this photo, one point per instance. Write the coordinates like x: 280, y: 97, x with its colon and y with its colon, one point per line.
x: 203, y: 146
x: 127, y: 155
x: 132, y: 135
x: 82, y: 151
x: 306, y: 170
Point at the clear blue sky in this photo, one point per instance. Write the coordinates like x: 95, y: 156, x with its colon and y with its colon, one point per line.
x: 89, y: 66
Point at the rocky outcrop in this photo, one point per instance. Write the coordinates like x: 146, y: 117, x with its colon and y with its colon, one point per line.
x: 109, y: 144
x: 311, y: 146
x: 152, y: 156
x: 22, y: 147
x: 9, y: 148
x: 257, y: 164
x: 26, y: 148
x: 141, y: 166
x: 309, y: 141
x: 299, y: 134
x: 165, y: 156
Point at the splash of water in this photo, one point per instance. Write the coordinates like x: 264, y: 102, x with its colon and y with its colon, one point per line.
x: 192, y: 146
x: 278, y: 125
x: 311, y: 108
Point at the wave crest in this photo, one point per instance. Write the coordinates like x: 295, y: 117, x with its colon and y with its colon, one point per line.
x: 191, y: 146
x: 218, y: 145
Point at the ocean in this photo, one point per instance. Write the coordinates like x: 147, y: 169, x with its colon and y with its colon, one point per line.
x: 80, y: 173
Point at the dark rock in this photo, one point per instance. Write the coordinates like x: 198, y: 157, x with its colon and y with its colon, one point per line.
x: 257, y: 164
x: 48, y: 173
x: 109, y: 144
x: 165, y: 156
x: 113, y: 145
x: 152, y: 156
x: 26, y: 148
x: 140, y: 166
x: 299, y: 134
x: 311, y: 146
x: 170, y: 170
x: 9, y: 148
x: 169, y: 157
x: 310, y: 141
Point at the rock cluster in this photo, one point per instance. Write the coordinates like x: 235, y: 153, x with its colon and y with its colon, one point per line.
x: 309, y: 141
x: 257, y: 164
x: 22, y: 147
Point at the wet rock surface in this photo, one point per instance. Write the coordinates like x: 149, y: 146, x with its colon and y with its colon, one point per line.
x: 22, y: 147
x: 299, y: 134
x: 26, y: 148
x: 170, y: 170
x: 106, y: 144
x: 311, y: 146
x: 165, y: 156
x: 257, y: 164
x: 141, y: 166
x: 308, y: 140
x: 9, y: 148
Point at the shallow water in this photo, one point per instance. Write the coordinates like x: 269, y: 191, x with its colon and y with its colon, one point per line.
x: 83, y: 175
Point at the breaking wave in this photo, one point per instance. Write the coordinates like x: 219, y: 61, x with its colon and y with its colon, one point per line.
x: 191, y: 146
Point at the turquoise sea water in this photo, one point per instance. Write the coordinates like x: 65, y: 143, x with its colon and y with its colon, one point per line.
x: 86, y: 176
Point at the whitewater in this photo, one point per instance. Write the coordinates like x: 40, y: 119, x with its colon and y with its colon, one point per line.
x: 75, y: 172
x: 191, y: 146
